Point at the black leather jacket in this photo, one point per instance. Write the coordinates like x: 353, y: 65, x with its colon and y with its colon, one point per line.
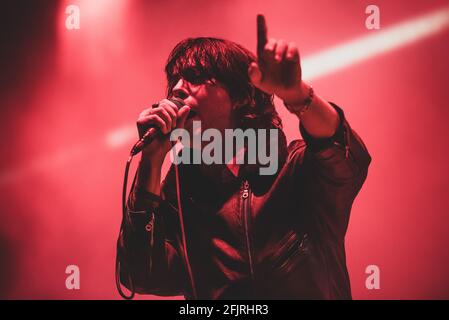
x: 251, y: 236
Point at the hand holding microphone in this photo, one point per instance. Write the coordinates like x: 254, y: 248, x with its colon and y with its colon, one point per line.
x: 154, y: 126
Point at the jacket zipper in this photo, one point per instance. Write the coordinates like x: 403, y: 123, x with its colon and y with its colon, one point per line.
x: 292, y: 250
x: 246, y: 198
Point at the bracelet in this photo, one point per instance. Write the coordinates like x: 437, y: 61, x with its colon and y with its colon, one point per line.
x: 302, y: 107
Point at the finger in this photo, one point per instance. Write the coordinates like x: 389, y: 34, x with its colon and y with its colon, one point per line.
x: 292, y: 52
x: 163, y: 113
x: 183, y: 113
x: 171, y: 107
x: 261, y: 34
x: 145, y: 112
x: 148, y: 111
x: 280, y: 50
x: 171, y: 104
x: 172, y: 112
x: 270, y: 49
x: 154, y: 120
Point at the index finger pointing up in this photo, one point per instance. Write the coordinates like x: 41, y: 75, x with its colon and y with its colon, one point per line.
x: 261, y: 34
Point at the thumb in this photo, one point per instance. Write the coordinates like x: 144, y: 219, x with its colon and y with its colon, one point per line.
x: 255, y: 74
x: 182, y: 116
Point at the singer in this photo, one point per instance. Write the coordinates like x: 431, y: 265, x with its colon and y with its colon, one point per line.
x: 223, y: 231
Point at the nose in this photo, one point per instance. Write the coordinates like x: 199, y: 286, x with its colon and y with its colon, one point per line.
x: 179, y: 90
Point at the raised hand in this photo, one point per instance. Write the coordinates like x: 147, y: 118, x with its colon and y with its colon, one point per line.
x: 278, y: 69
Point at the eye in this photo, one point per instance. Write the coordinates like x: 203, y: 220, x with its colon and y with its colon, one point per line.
x: 194, y: 76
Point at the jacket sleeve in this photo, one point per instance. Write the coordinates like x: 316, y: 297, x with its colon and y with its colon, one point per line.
x: 331, y: 172
x: 147, y: 248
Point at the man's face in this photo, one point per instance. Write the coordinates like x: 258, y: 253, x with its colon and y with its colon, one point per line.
x: 209, y: 100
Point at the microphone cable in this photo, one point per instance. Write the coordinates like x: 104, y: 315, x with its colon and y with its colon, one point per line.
x: 119, y: 261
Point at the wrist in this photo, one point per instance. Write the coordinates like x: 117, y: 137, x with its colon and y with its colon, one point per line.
x: 297, y: 95
x: 300, y: 103
x: 153, y: 161
x: 149, y: 175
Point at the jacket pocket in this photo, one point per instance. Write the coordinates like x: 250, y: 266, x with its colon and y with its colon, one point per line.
x: 294, y: 251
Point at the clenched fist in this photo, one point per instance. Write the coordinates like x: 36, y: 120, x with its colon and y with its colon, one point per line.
x: 165, y: 117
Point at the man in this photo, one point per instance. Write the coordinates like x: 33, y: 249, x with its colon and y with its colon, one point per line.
x: 240, y: 234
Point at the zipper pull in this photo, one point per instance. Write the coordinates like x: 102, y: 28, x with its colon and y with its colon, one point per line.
x: 245, y: 189
x: 150, y: 224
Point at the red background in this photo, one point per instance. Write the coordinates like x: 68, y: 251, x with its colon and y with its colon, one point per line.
x: 63, y: 92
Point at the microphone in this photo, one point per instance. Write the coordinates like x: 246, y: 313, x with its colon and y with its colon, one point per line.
x: 153, y: 130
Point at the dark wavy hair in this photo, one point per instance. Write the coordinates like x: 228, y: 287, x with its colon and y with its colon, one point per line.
x: 200, y: 59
